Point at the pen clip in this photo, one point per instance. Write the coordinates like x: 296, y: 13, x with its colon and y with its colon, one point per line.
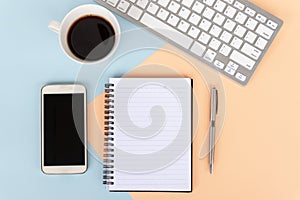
x: 217, y: 101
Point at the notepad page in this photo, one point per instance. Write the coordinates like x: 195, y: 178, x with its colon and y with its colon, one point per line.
x: 152, y: 134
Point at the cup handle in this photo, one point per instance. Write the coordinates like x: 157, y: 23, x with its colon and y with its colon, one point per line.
x: 54, y: 26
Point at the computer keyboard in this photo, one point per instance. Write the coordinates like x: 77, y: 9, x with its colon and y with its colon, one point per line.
x: 230, y: 36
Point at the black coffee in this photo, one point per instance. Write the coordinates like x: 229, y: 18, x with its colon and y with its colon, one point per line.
x: 91, y: 38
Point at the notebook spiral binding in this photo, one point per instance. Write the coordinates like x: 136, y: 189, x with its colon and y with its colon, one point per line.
x: 108, y: 156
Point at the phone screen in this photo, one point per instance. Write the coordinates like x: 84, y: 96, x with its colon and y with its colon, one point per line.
x: 64, y: 129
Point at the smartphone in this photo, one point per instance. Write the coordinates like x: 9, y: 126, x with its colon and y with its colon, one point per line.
x: 63, y: 131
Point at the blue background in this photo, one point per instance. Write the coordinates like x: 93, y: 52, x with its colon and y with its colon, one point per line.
x: 31, y: 58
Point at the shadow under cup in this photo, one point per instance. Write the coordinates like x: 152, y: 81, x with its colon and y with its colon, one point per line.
x: 91, y: 38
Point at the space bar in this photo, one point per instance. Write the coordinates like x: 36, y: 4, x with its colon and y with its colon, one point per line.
x: 166, y: 31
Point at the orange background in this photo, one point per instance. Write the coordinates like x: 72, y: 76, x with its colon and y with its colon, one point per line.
x: 258, y: 154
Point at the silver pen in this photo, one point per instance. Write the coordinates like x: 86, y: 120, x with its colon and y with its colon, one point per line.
x: 212, y: 128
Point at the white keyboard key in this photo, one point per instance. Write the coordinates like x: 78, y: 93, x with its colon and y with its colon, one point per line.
x: 173, y: 20
x: 142, y: 3
x: 214, y: 44
x: 135, y: 12
x: 163, y: 3
x: 133, y: 1
x: 229, y: 1
x: 225, y: 50
x: 167, y: 31
x: 194, y: 19
x: 194, y: 32
x: 112, y: 2
x: 236, y: 43
x: 219, y: 6
x: 226, y: 37
x: 264, y: 31
x: 251, y: 51
x: 184, y: 13
x: 261, y: 43
x: 250, y: 12
x: 240, y: 76
x: 240, y: 31
x: 123, y: 6
x: 219, y: 19
x: 198, y: 49
x: 174, y: 7
x: 208, y: 13
x: 205, y: 24
x: 239, y: 5
x: 210, y: 55
x: 229, y: 25
x: 230, y: 11
x: 251, y: 24
x: 198, y: 7
x: 261, y: 18
x: 219, y: 64
x: 230, y: 70
x: 209, y: 2
x: 183, y: 26
x: 204, y: 38
x: 215, y: 30
x: 162, y: 14
x: 240, y: 18
x: 242, y: 60
x: 272, y: 24
x: 250, y: 37
x: 187, y: 3
x: 233, y: 65
x: 152, y: 8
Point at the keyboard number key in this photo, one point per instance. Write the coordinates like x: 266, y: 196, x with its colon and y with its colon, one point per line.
x: 209, y: 2
x: 251, y: 24
x: 240, y: 18
x: 219, y: 6
x: 230, y: 12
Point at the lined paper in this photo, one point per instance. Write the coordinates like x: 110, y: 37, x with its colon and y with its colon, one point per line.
x: 152, y: 134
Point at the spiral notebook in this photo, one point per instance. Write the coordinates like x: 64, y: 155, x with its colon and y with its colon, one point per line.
x: 148, y: 129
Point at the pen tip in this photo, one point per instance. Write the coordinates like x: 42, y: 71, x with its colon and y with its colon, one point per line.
x: 211, y: 169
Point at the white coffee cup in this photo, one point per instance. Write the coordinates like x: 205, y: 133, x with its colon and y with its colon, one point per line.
x: 62, y: 28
